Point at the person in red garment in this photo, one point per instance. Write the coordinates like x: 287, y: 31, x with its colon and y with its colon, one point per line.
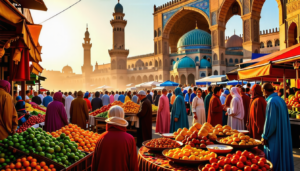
x: 115, y: 149
x: 88, y: 102
x: 246, y: 103
x: 215, y: 110
x: 257, y: 114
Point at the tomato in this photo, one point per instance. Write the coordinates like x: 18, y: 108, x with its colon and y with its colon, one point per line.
x: 243, y: 159
x: 213, y: 160
x: 238, y: 153
x: 211, y: 169
x: 263, y: 169
x: 227, y: 161
x: 267, y: 166
x: 263, y: 159
x: 205, y: 169
x: 227, y: 167
x: 254, y: 167
x: 233, y: 168
x: 257, y: 158
x: 261, y: 163
x: 221, y: 162
x: 234, y: 161
x: 245, y: 153
x: 208, y: 165
x: 248, y: 163
x: 215, y: 165
x: 229, y: 155
x: 236, y: 157
x: 254, y: 161
x: 247, y: 168
x: 251, y: 156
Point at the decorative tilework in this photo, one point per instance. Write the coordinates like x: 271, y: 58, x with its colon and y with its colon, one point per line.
x: 214, y: 18
x: 200, y: 4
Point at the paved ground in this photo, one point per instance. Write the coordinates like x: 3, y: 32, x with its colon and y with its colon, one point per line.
x: 296, y: 151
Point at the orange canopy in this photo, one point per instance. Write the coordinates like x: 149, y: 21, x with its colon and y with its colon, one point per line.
x: 10, y: 13
x: 35, y: 31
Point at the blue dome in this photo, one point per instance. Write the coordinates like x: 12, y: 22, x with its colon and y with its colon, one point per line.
x: 204, y: 63
x: 195, y: 37
x: 118, y: 8
x: 184, y: 62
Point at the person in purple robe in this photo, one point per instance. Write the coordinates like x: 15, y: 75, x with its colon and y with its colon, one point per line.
x: 56, y: 116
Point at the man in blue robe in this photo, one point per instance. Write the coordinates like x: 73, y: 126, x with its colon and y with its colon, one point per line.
x: 169, y: 95
x: 179, y: 118
x: 276, y: 137
x: 207, y: 100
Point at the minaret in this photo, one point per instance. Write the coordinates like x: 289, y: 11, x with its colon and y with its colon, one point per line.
x: 118, y: 54
x: 87, y: 67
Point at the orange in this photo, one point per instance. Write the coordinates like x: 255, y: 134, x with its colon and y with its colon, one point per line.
x: 86, y: 150
x: 42, y: 164
x: 29, y: 158
x: 38, y: 167
x: 67, y: 132
x: 33, y: 164
x: 34, y: 170
x: 82, y: 143
x: 45, y: 167
x: 26, y: 163
x: 51, y: 166
x: 18, y: 165
x: 28, y: 168
x: 7, y: 169
x: 23, y: 159
x: 18, y: 160
x: 88, y: 145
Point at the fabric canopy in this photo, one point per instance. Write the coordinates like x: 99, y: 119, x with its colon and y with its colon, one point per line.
x: 290, y: 56
x: 235, y: 82
x: 203, y: 83
x: 210, y: 79
x: 38, y: 67
x: 10, y: 13
x: 35, y: 31
x: 148, y: 84
x: 33, y: 4
x: 131, y: 88
x: 168, y: 83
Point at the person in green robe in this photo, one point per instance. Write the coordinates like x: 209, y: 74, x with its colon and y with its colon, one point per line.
x: 207, y: 100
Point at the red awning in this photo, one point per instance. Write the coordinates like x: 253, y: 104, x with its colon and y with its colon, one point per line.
x: 293, y: 54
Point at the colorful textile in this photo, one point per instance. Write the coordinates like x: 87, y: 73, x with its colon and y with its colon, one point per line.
x: 163, y: 115
x: 111, y: 98
x: 179, y: 112
x: 277, y: 132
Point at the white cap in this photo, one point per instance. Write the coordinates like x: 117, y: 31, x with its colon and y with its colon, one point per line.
x: 142, y: 93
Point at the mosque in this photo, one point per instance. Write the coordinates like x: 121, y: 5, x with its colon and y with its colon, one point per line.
x: 187, y: 47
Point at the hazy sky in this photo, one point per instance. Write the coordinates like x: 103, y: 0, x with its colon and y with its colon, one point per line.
x: 62, y: 36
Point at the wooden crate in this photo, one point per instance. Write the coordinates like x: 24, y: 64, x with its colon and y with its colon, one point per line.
x: 84, y: 164
x: 100, y: 124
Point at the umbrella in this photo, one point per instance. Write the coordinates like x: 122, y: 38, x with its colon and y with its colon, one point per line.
x: 104, y: 87
x: 148, y: 84
x: 167, y: 83
x: 42, y: 90
x: 235, y: 82
x: 210, y: 79
x: 131, y: 88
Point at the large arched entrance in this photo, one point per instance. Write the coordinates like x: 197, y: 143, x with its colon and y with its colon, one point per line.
x: 176, y: 79
x: 191, y: 79
x: 183, y: 21
x: 172, y: 78
x: 182, y: 80
x: 292, y: 34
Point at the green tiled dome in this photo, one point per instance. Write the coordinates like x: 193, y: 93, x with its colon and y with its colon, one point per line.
x: 195, y: 37
x: 184, y: 62
x: 119, y: 8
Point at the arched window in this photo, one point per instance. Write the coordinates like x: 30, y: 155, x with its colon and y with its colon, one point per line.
x: 117, y: 29
x: 202, y: 74
x: 241, y: 60
x: 262, y: 45
x: 222, y: 57
x: 156, y: 63
x: 196, y: 59
x: 150, y: 63
x: 159, y: 64
x: 155, y: 33
x: 215, y: 57
x: 216, y: 72
x: 269, y: 43
x: 223, y: 72
x: 146, y: 63
x: 172, y: 60
x: 230, y: 60
x: 236, y: 61
x: 226, y: 61
x: 277, y: 43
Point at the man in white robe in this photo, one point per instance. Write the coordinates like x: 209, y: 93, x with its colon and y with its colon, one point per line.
x: 236, y: 110
x: 41, y: 96
x: 68, y: 102
x: 116, y: 97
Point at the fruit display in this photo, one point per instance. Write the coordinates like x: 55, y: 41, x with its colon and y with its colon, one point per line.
x: 293, y: 100
x: 205, y: 130
x: 154, y: 108
x: 294, y: 114
x: 119, y: 103
x: 31, y: 121
x: 240, y: 139
x: 130, y: 107
x: 103, y: 115
x: 7, y: 156
x: 190, y: 153
x: 103, y: 109
x: 244, y: 161
x: 60, y: 150
x: 29, y: 163
x: 225, y: 130
x: 85, y: 140
x: 162, y: 143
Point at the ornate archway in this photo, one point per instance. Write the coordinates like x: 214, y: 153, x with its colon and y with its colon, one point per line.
x: 151, y: 78
x: 191, y: 79
x: 182, y: 79
x: 292, y: 34
x: 172, y: 78
x: 145, y: 79
x: 176, y: 79
x: 139, y: 80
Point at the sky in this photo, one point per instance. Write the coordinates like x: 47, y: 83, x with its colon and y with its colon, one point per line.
x: 62, y: 36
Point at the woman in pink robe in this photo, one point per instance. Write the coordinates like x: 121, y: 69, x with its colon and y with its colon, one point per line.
x: 163, y: 114
x: 56, y: 116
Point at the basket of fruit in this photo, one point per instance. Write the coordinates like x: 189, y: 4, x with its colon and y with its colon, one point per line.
x: 239, y: 140
x: 160, y: 144
x: 245, y: 160
x: 188, y: 155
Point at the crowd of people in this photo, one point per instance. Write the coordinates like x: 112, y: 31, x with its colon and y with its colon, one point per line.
x: 257, y: 109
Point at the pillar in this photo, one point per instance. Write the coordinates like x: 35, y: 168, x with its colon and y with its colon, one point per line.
x: 218, y: 48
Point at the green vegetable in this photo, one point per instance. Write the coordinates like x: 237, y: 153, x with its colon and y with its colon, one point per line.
x: 103, y: 115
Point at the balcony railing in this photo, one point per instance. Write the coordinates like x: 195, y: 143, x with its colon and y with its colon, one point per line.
x: 234, y: 53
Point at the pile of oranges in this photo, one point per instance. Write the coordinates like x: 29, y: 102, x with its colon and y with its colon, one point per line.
x: 29, y: 164
x: 86, y: 140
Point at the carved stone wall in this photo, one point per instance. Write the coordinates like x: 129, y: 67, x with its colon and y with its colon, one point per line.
x: 222, y: 38
x: 247, y: 30
x: 214, y: 18
x: 214, y: 38
x: 256, y: 30
x: 246, y: 5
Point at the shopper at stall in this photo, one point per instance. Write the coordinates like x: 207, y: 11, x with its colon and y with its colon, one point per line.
x: 56, y: 116
x: 97, y: 102
x: 86, y: 95
x: 169, y: 95
x: 36, y: 99
x: 215, y: 108
x: 248, y: 92
x: 128, y: 96
x: 91, y: 96
x: 135, y: 98
x: 41, y: 95
x: 198, y: 108
x: 144, y: 132
x: 163, y: 114
x: 154, y: 96
x: 68, y: 102
x: 20, y: 105
x: 116, y: 96
x: 172, y: 99
x: 236, y: 111
x: 149, y: 96
x: 179, y: 118
x: 121, y: 97
x: 187, y: 101
x: 207, y: 100
x: 246, y: 103
x: 105, y: 99
x: 222, y: 99
x: 47, y: 99
x: 79, y: 112
x: 8, y: 116
x: 112, y: 97
x: 257, y: 113
x: 276, y: 136
x: 228, y: 100
x: 115, y: 141
x: 156, y: 101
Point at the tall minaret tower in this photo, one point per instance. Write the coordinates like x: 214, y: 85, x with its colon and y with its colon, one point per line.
x: 118, y: 54
x: 87, y: 68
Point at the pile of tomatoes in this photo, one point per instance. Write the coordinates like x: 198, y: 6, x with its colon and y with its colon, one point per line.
x: 101, y: 110
x: 27, y: 164
x: 31, y: 121
x: 86, y: 140
x: 245, y: 160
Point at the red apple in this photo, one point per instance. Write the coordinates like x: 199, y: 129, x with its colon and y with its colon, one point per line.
x: 261, y: 163
x: 202, y: 142
x: 234, y: 161
x: 194, y: 135
x: 257, y: 158
x: 247, y: 168
x: 254, y: 161
x: 236, y: 157
x: 213, y: 160
x: 221, y: 162
x: 204, y: 138
x: 243, y: 159
x: 234, y: 168
x: 208, y: 165
x: 263, y: 169
x: 194, y: 140
x: 221, y: 157
x: 197, y: 146
x: 254, y: 167
x: 263, y: 159
x: 267, y: 166
x: 200, y: 137
x: 245, y: 153
x: 227, y: 167
x: 240, y: 165
x: 198, y: 142
x: 202, y: 146
x: 215, y: 165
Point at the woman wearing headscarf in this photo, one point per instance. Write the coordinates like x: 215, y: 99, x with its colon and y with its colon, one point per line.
x: 198, y: 108
x: 56, y: 116
x: 236, y: 111
x: 128, y: 97
x: 8, y: 115
x: 20, y: 105
x: 89, y: 105
x: 257, y: 114
x: 115, y: 141
x: 179, y: 118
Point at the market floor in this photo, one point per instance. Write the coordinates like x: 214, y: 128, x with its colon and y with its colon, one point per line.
x: 296, y: 151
